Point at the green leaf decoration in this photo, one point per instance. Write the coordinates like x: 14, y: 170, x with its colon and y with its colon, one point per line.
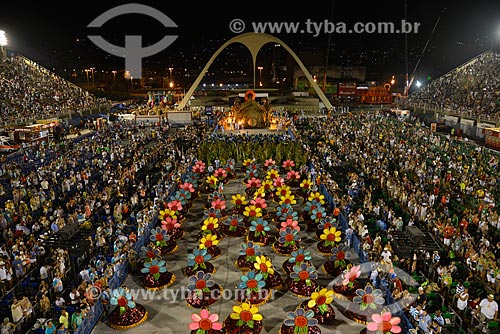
x: 156, y: 276
x: 200, y: 331
x: 363, y: 306
x: 308, y: 282
x: 250, y: 324
x: 239, y: 323
x: 323, y: 308
x: 203, y: 265
x: 373, y: 306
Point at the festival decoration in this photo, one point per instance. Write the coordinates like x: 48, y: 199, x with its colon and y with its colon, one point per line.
x: 202, y: 290
x: 296, y: 259
x: 384, y: 323
x: 198, y: 260
x: 245, y: 319
x: 300, y: 321
x: 288, y: 241
x: 302, y: 280
x: 205, y: 323
x: 248, y: 254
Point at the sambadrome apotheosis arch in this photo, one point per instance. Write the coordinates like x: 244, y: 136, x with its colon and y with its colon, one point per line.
x: 254, y: 42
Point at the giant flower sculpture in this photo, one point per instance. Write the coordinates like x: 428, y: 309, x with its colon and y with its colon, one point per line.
x: 155, y: 268
x: 272, y: 174
x: 290, y: 223
x: 253, y: 184
x: 198, y: 259
x: 326, y: 223
x: 219, y: 204
x: 368, y: 298
x: 384, y: 323
x: 200, y: 282
x: 293, y: 176
x: 239, y: 201
x: 233, y: 226
x: 251, y: 173
x: 330, y: 236
x: 220, y: 174
x: 305, y: 186
x: 170, y: 224
x: 246, y: 315
x: 311, y: 206
x: 269, y: 163
x: 148, y: 253
x: 199, y: 167
x: 267, y: 186
x: 252, y: 212
x: 247, y: 162
x: 316, y: 196
x: 288, y: 165
x: 318, y: 214
x: 300, y: 320
x: 283, y: 191
x: 278, y: 182
x: 210, y: 225
x: 264, y: 266
x: 175, y: 206
x: 212, y: 213
x: 159, y: 236
x: 288, y: 199
x: 208, y: 241
x: 296, y: 259
x: 260, y: 232
x: 168, y: 213
x: 248, y: 254
x: 289, y: 237
x: 259, y: 203
x: 302, y: 280
x: 202, y: 290
x: 205, y: 323
x: 123, y: 299
x: 351, y: 276
x: 251, y: 282
x: 321, y: 299
x: 187, y: 186
x: 212, y: 181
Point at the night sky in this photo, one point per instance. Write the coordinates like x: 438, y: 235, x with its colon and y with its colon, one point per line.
x: 54, y: 34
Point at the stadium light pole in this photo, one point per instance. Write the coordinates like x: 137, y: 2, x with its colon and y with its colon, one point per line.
x: 88, y: 82
x: 3, y: 42
x: 93, y: 82
x: 260, y: 68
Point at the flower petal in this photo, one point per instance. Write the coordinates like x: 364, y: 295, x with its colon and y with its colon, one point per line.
x: 213, y: 317
x: 217, y: 326
x: 204, y: 313
x: 395, y: 321
x: 194, y: 325
x: 372, y: 326
x: 377, y: 318
x: 395, y: 329
x: 257, y: 317
x: 195, y: 317
x: 386, y: 316
x: 237, y: 309
x: 289, y: 322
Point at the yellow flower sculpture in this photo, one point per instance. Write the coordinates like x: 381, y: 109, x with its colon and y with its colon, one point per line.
x: 317, y: 196
x: 331, y: 236
x: 246, y: 314
x: 212, y: 181
x: 264, y: 265
x: 287, y: 199
x: 167, y: 213
x: 210, y: 224
x: 208, y: 241
x: 322, y: 299
x: 239, y: 200
x: 283, y: 191
x: 252, y: 212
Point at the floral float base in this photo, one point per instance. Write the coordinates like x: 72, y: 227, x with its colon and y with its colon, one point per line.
x: 131, y: 318
x: 343, y: 292
x: 169, y: 248
x: 239, y: 232
x: 325, y: 250
x: 256, y: 298
x: 300, y: 288
x: 165, y: 280
x: 214, y: 251
x: 274, y: 281
x: 175, y: 233
x: 230, y: 327
x: 329, y: 267
x: 206, y: 300
x: 290, y: 330
x: 323, y: 318
x: 242, y: 263
x: 189, y: 271
x: 285, y: 250
x: 262, y: 240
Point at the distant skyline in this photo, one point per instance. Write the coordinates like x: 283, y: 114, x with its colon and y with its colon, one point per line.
x: 55, y: 34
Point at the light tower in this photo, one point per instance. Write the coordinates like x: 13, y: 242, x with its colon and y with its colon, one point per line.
x: 3, y: 42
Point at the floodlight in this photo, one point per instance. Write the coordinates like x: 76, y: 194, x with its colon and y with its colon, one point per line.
x: 3, y: 38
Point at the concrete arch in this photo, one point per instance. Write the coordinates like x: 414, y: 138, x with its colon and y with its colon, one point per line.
x: 254, y: 42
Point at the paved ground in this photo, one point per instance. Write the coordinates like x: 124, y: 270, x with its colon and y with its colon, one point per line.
x: 169, y: 316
